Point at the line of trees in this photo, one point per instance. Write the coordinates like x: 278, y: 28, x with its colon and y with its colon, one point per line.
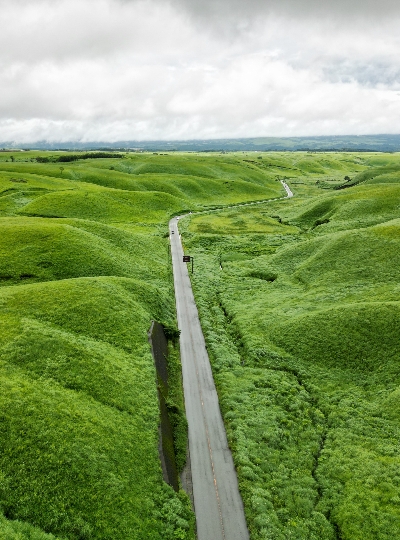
x: 74, y: 157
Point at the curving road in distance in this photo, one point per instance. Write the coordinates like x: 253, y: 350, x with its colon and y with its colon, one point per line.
x: 217, y: 501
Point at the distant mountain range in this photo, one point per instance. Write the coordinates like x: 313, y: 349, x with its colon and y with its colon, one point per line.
x: 364, y: 143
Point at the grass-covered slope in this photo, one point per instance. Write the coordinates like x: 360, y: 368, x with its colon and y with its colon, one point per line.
x: 47, y: 249
x: 79, y: 431
x: 104, y: 205
x: 302, y: 324
x: 17, y: 530
x: 351, y: 209
x: 136, y: 187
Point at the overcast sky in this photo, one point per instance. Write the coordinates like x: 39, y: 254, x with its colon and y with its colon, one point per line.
x: 110, y: 70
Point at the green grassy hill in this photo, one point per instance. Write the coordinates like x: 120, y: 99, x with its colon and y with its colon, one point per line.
x: 350, y: 209
x: 119, y: 188
x: 299, y: 304
x: 104, y: 206
x: 47, y: 249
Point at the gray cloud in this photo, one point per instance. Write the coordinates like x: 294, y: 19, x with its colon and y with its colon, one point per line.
x: 131, y: 69
x: 227, y: 10
x: 374, y: 74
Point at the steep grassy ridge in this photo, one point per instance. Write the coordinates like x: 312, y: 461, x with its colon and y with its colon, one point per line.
x: 302, y: 327
x: 45, y: 249
x: 111, y: 206
x: 350, y: 209
x: 377, y: 174
x: 80, y: 412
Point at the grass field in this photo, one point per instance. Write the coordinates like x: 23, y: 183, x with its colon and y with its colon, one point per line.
x: 83, y: 271
x: 299, y: 305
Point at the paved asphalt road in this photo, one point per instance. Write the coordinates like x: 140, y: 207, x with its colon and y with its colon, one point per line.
x: 218, y: 504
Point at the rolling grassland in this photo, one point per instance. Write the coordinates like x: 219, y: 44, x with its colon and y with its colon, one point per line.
x: 84, y: 269
x: 299, y: 302
x: 301, y: 324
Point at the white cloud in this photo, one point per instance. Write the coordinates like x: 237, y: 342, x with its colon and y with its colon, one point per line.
x: 123, y: 70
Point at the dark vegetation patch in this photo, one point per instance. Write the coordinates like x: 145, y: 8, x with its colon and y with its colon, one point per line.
x: 173, y: 428
x: 67, y: 158
x: 263, y: 274
x: 321, y: 222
